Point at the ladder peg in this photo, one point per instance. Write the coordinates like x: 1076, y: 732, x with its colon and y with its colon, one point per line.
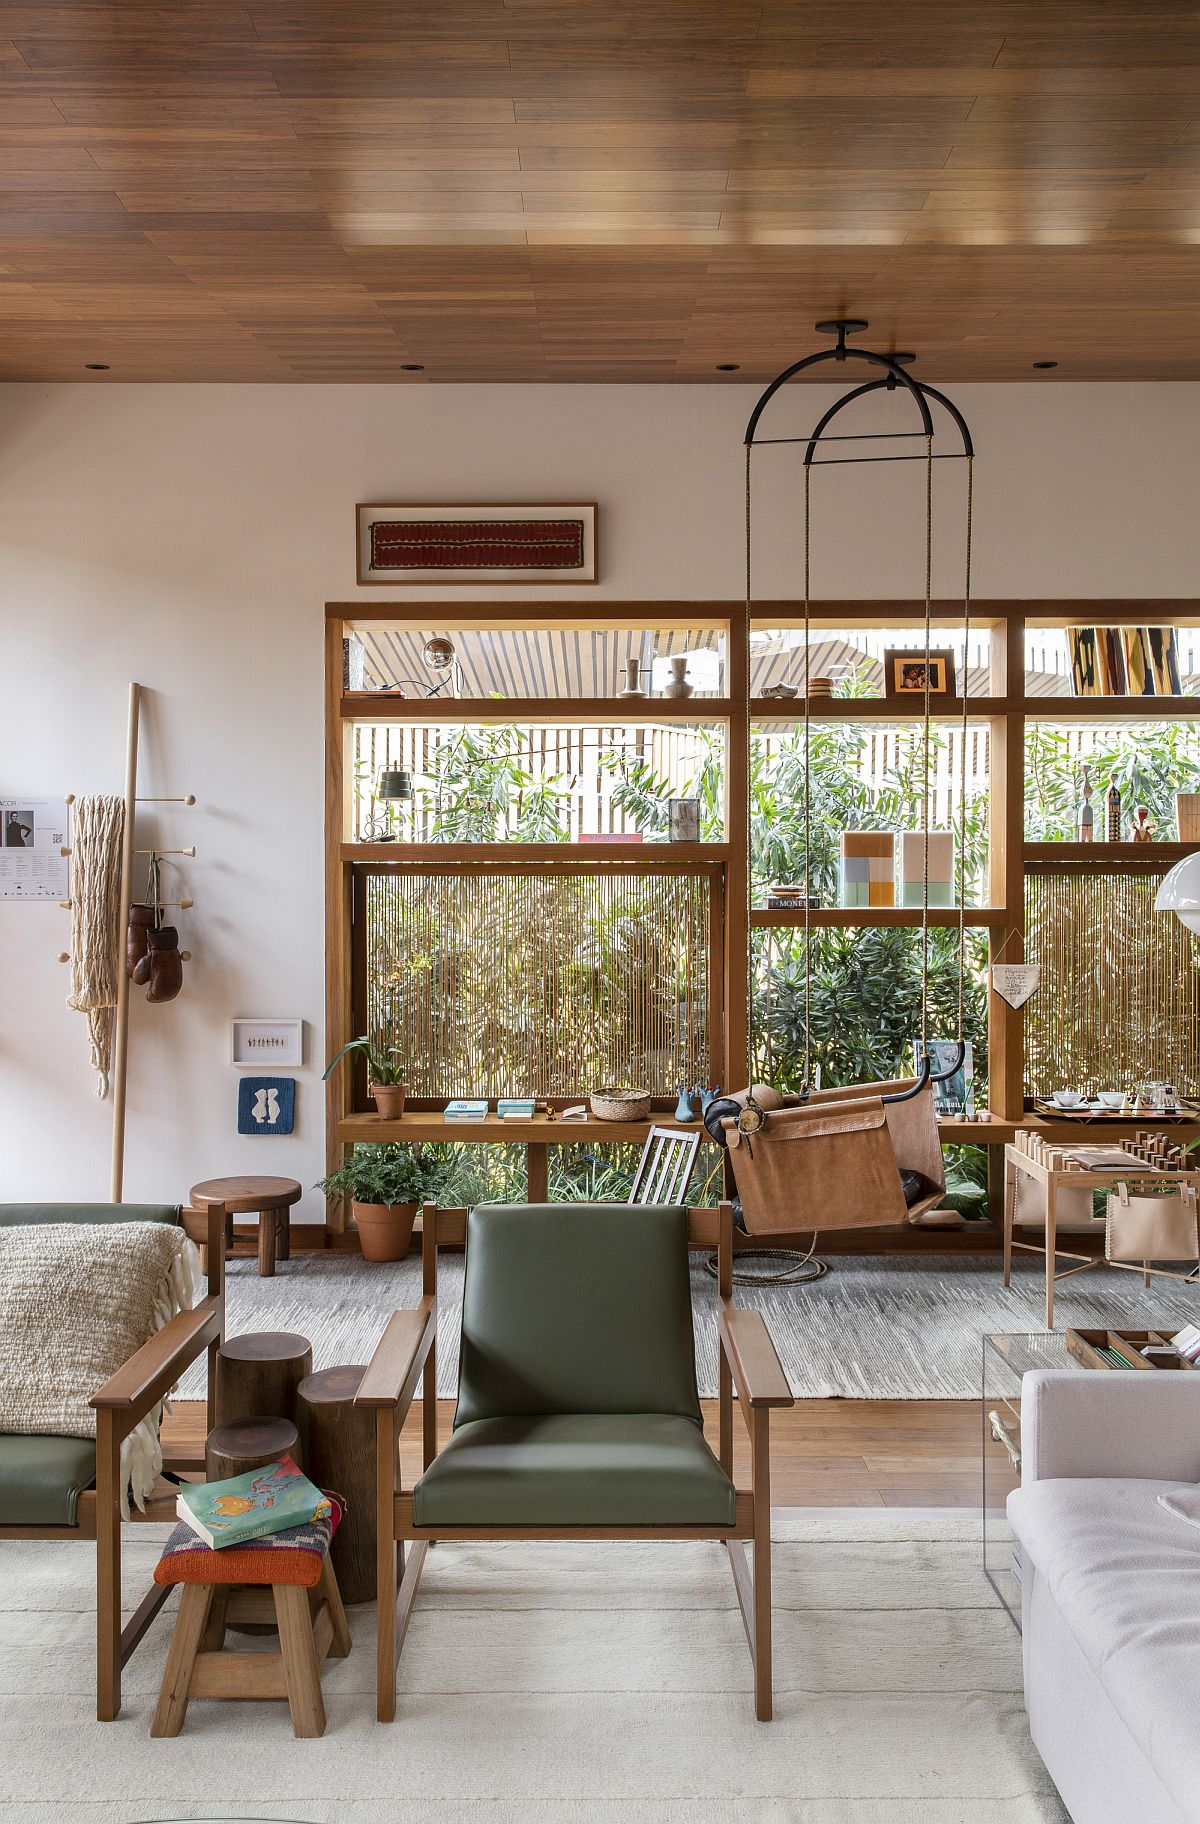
x: 70, y: 798
x: 65, y: 904
x: 64, y: 956
x: 185, y: 905
x: 64, y: 853
x: 185, y: 956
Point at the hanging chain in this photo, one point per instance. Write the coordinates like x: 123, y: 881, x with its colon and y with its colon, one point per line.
x: 749, y: 978
x: 925, y: 744
x: 807, y: 785
x: 962, y: 760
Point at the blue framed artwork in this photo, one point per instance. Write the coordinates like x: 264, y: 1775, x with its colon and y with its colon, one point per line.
x: 266, y: 1105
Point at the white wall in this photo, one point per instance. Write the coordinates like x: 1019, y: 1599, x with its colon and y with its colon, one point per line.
x: 189, y: 537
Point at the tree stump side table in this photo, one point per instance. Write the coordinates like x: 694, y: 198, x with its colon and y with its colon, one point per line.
x: 258, y: 1375
x: 269, y: 1198
x: 338, y: 1440
x: 234, y: 1450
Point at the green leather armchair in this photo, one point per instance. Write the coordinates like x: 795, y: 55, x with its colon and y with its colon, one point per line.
x: 577, y: 1413
x: 52, y: 1487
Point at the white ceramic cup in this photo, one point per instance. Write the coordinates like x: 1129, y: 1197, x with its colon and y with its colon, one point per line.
x: 1112, y: 1098
x: 1068, y: 1098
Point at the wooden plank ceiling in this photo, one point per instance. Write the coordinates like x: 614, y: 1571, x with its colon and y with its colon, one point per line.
x: 559, y: 190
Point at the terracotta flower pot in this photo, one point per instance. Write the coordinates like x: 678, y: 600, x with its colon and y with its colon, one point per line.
x: 384, y: 1229
x: 389, y: 1098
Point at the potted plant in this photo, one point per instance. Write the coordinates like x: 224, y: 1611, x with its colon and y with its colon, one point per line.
x: 385, y: 1183
x: 386, y: 1075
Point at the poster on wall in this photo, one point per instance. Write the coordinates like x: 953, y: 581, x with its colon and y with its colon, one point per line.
x: 33, y: 833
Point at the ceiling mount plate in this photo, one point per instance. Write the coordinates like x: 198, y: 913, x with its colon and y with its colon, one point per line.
x: 841, y: 326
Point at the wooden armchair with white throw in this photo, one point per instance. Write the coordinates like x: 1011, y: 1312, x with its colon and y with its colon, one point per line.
x: 97, y: 1324
x: 578, y: 1415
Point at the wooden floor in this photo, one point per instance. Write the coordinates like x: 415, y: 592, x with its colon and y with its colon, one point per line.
x: 824, y: 1453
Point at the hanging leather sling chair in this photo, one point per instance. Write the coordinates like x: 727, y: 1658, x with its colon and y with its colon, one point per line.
x: 865, y: 1155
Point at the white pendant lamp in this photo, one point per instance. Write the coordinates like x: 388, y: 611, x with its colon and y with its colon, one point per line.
x: 1180, y: 892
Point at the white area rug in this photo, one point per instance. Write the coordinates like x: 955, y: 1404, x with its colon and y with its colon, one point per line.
x: 876, y: 1327
x: 567, y: 1684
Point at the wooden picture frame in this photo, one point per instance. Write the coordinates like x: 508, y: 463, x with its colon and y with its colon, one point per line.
x: 904, y: 674
x: 392, y: 540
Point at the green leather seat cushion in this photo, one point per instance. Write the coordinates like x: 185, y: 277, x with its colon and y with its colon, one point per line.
x: 18, y: 1215
x: 576, y: 1469
x: 41, y: 1478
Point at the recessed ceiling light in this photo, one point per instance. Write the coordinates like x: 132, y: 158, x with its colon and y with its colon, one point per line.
x: 412, y: 367
x: 1045, y: 364
x: 728, y: 367
x: 96, y: 367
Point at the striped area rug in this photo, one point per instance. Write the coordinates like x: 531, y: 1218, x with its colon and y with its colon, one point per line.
x: 875, y: 1327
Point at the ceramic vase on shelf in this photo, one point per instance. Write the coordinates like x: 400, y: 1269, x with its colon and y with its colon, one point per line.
x: 677, y: 685
x: 633, y: 678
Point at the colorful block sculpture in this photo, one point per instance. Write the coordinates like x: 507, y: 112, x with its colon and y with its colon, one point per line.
x: 868, y: 868
x: 941, y: 867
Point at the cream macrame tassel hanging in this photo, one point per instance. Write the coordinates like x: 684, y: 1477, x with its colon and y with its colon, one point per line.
x: 96, y: 950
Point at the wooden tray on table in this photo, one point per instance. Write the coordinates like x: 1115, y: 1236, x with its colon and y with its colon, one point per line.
x: 1121, y: 1349
x: 1050, y: 1111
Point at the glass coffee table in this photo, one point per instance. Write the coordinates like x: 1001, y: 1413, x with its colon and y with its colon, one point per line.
x: 1005, y: 1360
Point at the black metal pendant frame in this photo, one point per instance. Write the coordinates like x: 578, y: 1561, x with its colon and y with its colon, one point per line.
x: 893, y: 377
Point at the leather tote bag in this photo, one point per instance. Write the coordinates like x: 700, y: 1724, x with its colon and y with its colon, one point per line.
x: 1152, y: 1228
x: 821, y: 1166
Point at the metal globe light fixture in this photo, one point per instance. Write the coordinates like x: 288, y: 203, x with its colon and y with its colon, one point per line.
x: 1179, y: 892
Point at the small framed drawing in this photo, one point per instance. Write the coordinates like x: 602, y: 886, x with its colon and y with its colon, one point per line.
x: 263, y: 1041
x: 472, y: 544
x: 904, y: 674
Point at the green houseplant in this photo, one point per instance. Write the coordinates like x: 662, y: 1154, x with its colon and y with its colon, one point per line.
x: 385, y: 1184
x: 386, y: 1075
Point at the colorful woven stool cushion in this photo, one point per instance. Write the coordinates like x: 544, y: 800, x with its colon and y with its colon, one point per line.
x: 293, y: 1556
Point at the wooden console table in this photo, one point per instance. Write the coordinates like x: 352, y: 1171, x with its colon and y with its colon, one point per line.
x: 1056, y: 1170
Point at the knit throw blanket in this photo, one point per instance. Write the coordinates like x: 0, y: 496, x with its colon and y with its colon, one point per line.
x: 77, y: 1300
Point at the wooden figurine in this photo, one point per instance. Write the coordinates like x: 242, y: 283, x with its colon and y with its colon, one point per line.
x: 1143, y: 826
x: 1087, y: 827
x: 1112, y: 813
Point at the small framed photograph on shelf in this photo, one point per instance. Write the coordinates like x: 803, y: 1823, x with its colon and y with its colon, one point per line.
x: 904, y: 674
x: 476, y: 544
x: 268, y: 1041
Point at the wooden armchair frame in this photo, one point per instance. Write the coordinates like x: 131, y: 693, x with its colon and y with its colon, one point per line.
x: 120, y: 1404
x: 407, y: 1355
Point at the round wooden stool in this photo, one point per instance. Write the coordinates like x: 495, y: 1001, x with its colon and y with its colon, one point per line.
x: 234, y: 1450
x: 268, y: 1198
x: 258, y: 1374
x: 338, y: 1440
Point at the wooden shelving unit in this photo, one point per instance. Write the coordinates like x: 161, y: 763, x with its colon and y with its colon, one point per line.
x: 1005, y: 714
x: 875, y: 917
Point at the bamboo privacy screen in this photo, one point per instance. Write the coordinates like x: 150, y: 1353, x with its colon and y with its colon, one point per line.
x: 1119, y: 1000
x: 493, y: 982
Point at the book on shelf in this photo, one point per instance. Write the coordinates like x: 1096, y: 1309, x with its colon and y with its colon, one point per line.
x: 266, y: 1500
x: 473, y: 1110
x: 516, y: 1108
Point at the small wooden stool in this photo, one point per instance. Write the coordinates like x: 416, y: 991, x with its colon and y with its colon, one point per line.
x: 312, y: 1627
x: 258, y: 1374
x: 269, y: 1198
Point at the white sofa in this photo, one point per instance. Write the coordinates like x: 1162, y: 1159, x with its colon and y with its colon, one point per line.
x: 1110, y: 1591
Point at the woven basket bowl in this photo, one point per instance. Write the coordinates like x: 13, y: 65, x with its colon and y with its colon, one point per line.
x: 620, y: 1104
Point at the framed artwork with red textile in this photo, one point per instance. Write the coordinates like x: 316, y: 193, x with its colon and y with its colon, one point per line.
x: 476, y: 544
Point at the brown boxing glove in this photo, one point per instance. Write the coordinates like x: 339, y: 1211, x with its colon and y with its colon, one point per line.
x: 137, y: 939
x: 166, y: 965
